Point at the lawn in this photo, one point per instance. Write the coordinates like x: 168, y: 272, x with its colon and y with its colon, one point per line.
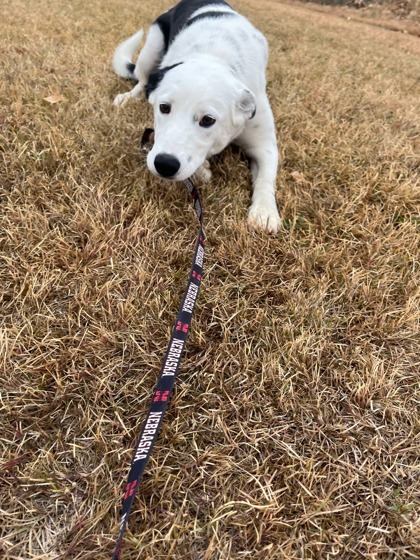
x: 294, y: 430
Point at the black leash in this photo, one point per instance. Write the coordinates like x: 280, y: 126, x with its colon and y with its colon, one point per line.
x: 166, y: 380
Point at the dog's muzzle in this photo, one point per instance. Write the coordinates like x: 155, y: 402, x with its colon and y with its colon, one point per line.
x: 166, y: 165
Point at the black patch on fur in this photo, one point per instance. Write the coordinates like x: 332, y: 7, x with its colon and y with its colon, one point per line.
x: 156, y: 77
x: 130, y: 67
x: 176, y: 19
x: 208, y: 15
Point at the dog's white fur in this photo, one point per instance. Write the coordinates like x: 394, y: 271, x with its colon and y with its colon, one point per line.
x: 222, y: 75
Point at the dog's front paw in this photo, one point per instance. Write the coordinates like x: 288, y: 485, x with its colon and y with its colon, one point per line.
x: 121, y: 99
x: 264, y: 215
x: 203, y: 173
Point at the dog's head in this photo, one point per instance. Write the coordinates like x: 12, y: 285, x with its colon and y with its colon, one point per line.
x: 198, y: 110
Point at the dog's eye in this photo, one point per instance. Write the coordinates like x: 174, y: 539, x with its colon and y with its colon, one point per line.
x: 207, y: 121
x: 165, y: 108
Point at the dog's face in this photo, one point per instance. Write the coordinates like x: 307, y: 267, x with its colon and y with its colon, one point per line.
x: 198, y: 111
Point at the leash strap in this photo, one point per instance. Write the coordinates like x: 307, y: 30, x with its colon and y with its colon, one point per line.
x: 167, y: 375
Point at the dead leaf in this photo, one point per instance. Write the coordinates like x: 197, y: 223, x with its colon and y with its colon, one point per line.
x: 299, y: 177
x: 58, y: 98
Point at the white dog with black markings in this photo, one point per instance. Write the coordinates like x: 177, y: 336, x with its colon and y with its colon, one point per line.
x: 202, y: 68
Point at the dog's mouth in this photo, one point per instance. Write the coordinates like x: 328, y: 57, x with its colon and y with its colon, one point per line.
x: 169, y: 167
x: 180, y: 175
x: 171, y: 179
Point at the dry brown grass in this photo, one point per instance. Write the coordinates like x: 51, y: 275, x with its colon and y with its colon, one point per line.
x: 294, y: 431
x: 401, y: 17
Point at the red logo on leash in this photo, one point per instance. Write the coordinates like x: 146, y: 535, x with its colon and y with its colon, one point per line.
x: 130, y: 489
x: 183, y: 327
x: 161, y: 396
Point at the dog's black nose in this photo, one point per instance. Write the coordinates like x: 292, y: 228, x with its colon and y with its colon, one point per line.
x: 166, y: 165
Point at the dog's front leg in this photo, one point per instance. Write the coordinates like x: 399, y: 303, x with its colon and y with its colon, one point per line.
x: 259, y: 143
x: 263, y: 211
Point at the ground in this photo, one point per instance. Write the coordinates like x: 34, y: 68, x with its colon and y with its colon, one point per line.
x: 294, y: 429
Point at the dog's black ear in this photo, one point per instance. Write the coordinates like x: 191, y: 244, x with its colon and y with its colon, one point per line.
x: 156, y: 77
x: 247, y: 103
x: 153, y: 82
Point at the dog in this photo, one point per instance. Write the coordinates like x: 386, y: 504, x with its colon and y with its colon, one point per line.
x: 202, y: 68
